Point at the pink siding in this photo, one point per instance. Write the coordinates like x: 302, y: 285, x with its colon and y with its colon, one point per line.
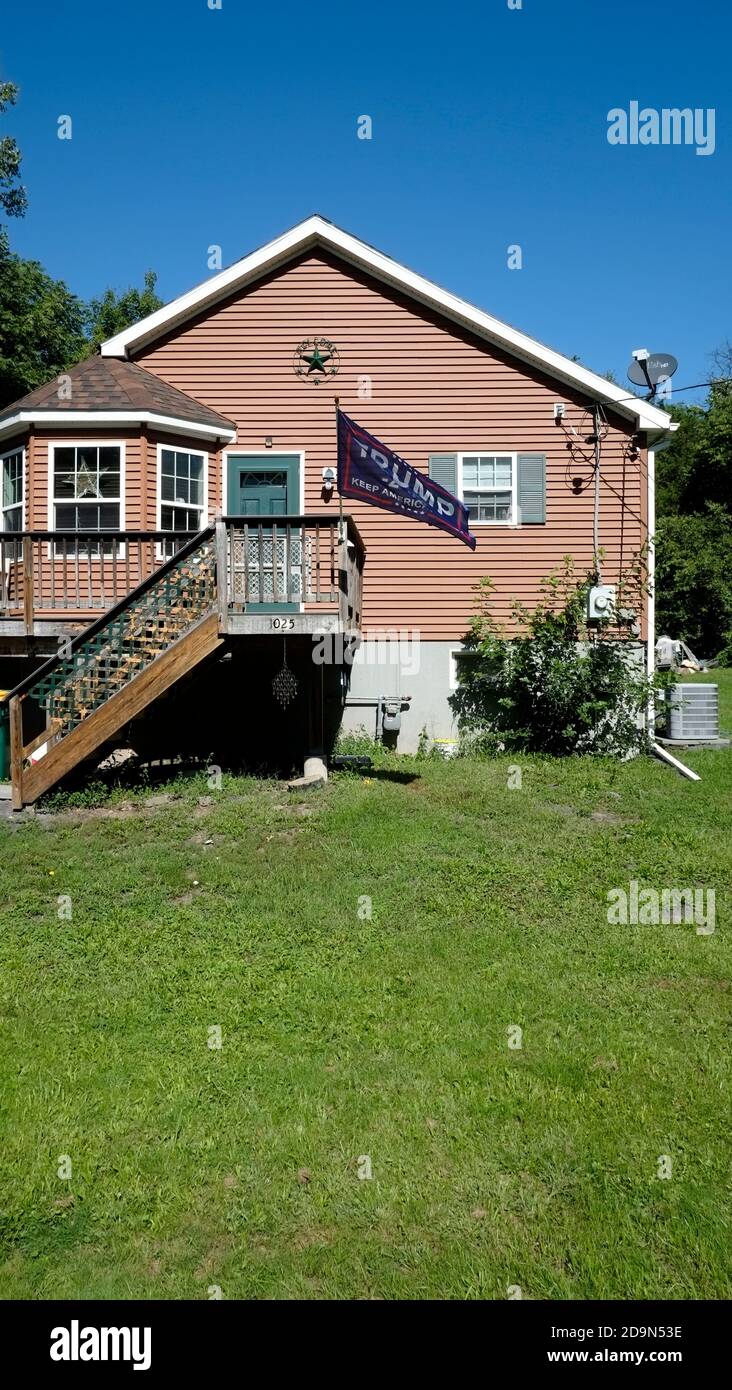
x: 435, y: 389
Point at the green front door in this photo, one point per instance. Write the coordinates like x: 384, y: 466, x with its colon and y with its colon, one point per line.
x: 263, y: 486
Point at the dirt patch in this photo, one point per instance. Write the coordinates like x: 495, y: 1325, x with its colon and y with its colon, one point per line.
x: 79, y: 814
x: 214, y: 1257
x: 694, y: 982
x: 612, y: 818
x: 304, y: 1240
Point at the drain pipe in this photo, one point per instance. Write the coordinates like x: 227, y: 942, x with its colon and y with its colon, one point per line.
x: 667, y: 757
x: 656, y: 748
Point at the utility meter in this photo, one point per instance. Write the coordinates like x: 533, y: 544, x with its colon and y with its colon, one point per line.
x: 600, y: 603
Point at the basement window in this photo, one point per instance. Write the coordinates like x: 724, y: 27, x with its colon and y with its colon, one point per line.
x: 182, y: 490
x: 87, y: 489
x: 12, y: 490
x: 488, y: 487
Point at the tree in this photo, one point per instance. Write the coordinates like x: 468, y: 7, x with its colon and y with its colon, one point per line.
x: 42, y: 325
x: 115, y: 312
x: 13, y: 197
x: 694, y: 539
x: 694, y: 580
x: 41, y: 321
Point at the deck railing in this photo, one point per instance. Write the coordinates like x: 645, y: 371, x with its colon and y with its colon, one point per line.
x: 294, y: 559
x: 298, y: 560
x: 47, y: 574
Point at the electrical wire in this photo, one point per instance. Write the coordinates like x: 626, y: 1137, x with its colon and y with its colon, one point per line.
x: 675, y: 391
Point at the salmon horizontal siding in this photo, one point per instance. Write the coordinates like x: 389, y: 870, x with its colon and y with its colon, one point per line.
x: 434, y: 389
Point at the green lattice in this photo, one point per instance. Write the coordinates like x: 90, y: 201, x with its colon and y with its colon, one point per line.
x: 131, y: 640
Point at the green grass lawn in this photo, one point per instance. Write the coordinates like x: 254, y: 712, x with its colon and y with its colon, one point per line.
x: 347, y: 1037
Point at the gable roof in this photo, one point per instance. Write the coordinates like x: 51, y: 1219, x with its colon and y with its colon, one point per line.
x: 111, y: 390
x: 317, y: 232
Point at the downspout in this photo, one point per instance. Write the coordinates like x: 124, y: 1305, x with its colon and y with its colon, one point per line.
x: 651, y: 618
x: 660, y: 752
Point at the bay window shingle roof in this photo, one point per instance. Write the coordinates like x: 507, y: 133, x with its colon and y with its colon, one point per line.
x: 103, y: 384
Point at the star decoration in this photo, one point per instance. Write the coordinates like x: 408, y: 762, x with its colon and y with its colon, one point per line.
x: 316, y: 360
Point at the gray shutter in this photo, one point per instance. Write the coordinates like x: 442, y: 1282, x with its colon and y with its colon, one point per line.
x: 443, y: 468
x: 531, y: 490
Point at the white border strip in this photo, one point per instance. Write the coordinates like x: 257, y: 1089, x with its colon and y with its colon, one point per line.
x: 99, y: 419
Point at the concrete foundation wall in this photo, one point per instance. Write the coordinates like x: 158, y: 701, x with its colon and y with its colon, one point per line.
x: 426, y: 671
x: 402, y: 666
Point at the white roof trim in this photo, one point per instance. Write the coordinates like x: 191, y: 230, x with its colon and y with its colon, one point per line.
x: 65, y: 419
x: 316, y: 231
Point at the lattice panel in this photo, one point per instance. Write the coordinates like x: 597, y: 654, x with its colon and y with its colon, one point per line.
x: 270, y: 570
x: 129, y: 642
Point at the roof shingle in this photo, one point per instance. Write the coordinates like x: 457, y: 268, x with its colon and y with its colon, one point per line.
x: 111, y: 383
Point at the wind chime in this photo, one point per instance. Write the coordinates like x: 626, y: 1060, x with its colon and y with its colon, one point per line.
x: 284, y: 685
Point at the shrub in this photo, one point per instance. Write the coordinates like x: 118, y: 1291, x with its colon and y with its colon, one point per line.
x: 558, y: 686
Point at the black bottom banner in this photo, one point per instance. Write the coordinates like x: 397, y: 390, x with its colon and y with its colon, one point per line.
x: 157, y: 1339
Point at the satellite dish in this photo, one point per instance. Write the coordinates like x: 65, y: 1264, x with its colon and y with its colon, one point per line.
x: 659, y: 367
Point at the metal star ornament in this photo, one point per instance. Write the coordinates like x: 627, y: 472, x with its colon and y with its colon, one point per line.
x: 316, y: 359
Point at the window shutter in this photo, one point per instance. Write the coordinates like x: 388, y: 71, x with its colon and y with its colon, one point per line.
x: 531, y: 490
x: 443, y: 468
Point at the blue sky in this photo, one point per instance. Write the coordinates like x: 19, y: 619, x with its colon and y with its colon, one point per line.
x: 194, y: 127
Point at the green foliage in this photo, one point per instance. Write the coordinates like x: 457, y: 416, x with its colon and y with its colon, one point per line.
x: 41, y: 325
x: 44, y: 327
x: 694, y: 503
x: 114, y: 312
x: 559, y: 687
x: 694, y: 580
x: 13, y: 197
x: 347, y: 1035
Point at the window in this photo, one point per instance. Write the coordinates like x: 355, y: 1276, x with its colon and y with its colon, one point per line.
x: 87, y: 487
x: 488, y: 487
x: 182, y: 491
x: 460, y: 663
x: 12, y: 491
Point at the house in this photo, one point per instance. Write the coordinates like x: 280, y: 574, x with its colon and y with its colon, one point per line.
x: 170, y: 541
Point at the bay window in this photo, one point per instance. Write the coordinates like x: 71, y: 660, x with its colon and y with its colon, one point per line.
x: 86, y: 487
x: 182, y: 492
x: 12, y: 490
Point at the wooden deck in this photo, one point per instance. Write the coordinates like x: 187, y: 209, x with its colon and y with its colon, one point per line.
x: 241, y: 576
x: 298, y: 574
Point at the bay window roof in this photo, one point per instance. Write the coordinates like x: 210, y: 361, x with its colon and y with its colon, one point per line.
x: 103, y: 391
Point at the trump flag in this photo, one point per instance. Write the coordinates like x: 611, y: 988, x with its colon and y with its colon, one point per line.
x: 372, y: 473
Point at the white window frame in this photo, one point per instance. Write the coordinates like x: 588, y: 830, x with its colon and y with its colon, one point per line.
x: 53, y: 500
x: 9, y: 453
x: 492, y: 453
x: 179, y: 449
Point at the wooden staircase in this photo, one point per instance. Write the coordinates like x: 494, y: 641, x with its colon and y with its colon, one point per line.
x: 116, y: 667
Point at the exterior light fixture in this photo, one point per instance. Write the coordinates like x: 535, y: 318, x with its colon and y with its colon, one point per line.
x: 268, y: 441
x: 328, y: 480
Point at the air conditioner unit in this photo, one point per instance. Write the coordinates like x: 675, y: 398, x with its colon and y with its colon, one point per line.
x: 693, y: 712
